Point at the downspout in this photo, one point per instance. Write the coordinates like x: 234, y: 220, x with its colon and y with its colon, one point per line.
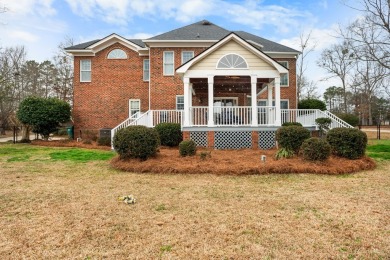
x: 150, y: 76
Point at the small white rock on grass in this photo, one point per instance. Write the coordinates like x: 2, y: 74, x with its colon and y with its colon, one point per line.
x: 129, y: 199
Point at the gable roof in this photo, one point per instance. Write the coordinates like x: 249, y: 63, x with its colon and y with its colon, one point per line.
x: 85, y: 45
x: 232, y: 36
x: 202, y: 30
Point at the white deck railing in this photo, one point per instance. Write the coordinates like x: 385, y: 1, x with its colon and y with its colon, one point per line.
x: 230, y: 116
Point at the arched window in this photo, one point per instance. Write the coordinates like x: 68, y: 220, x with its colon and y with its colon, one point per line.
x: 232, y: 61
x: 117, y: 54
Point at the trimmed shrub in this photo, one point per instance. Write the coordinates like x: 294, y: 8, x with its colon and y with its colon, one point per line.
x: 349, y: 118
x: 312, y: 104
x: 315, y: 149
x: 136, y: 142
x: 323, y: 123
x: 187, y: 148
x: 291, y: 123
x: 170, y: 134
x: 349, y: 143
x: 292, y: 137
x: 104, y: 141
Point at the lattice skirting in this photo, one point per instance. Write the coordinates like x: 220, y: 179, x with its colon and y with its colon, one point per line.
x: 267, y: 139
x: 200, y: 138
x: 232, y: 140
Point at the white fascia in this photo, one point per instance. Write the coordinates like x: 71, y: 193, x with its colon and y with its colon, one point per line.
x: 240, y: 41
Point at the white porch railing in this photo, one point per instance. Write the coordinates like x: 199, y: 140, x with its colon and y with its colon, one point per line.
x: 232, y: 116
x: 266, y: 115
x: 306, y: 117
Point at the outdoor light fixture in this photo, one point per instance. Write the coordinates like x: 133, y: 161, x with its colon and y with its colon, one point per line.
x: 263, y: 158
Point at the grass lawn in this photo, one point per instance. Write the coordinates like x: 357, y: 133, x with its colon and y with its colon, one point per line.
x: 63, y: 203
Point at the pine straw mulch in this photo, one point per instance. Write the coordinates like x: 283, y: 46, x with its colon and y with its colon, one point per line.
x: 69, y: 143
x: 238, y: 162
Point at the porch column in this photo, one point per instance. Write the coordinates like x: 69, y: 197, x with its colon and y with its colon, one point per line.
x: 187, y: 101
x: 254, y: 100
x: 278, y: 119
x: 269, y: 100
x: 210, y: 81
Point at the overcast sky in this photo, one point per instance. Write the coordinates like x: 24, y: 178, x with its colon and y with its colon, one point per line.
x: 40, y: 25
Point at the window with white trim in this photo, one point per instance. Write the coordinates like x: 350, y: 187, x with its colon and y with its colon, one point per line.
x: 186, y: 56
x: 168, y: 63
x: 232, y: 61
x: 284, y: 76
x: 179, y: 102
x: 146, y: 70
x: 263, y: 103
x: 85, y: 70
x: 134, y: 106
x: 117, y: 54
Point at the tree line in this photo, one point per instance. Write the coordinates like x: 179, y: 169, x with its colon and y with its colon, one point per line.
x: 361, y: 62
x: 20, y: 78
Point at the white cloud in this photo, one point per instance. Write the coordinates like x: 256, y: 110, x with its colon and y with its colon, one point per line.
x: 255, y: 14
x: 140, y: 36
x: 23, y: 7
x: 23, y: 36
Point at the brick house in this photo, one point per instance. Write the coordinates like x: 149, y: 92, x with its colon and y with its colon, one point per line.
x: 228, y: 89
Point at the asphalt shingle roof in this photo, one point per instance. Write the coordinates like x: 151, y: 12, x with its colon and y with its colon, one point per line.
x: 203, y: 30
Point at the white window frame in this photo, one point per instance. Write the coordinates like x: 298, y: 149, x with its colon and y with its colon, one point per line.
x: 273, y: 101
x: 177, y: 103
x: 182, y: 56
x: 132, y: 109
x: 173, y: 63
x: 287, y: 74
x: 85, y: 70
x: 234, y: 68
x: 146, y: 70
x: 117, y: 58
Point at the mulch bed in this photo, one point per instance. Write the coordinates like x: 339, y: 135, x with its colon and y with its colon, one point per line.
x: 220, y: 162
x: 238, y: 162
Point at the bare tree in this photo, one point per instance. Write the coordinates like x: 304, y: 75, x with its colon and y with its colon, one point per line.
x: 369, y: 78
x: 372, y: 31
x: 308, y: 89
x: 11, y: 59
x: 305, y: 47
x: 63, y: 61
x: 338, y: 60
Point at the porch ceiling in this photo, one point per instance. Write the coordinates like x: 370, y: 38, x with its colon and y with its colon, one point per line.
x: 237, y: 84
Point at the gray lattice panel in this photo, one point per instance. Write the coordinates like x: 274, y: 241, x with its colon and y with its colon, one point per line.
x: 267, y: 140
x: 232, y: 140
x: 200, y: 138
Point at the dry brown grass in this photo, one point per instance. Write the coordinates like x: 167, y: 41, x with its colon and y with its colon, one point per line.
x: 52, y: 210
x: 70, y: 143
x: 239, y: 162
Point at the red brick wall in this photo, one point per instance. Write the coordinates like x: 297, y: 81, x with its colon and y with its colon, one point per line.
x: 290, y: 91
x: 104, y: 102
x: 165, y: 88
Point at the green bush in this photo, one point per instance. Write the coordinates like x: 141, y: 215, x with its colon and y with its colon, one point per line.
x: 136, y: 142
x: 284, y: 153
x: 187, y: 148
x: 349, y: 118
x: 291, y: 123
x: 170, y: 134
x: 292, y: 137
x: 315, y: 149
x: 312, y: 104
x: 324, y: 124
x: 349, y: 143
x: 104, y: 141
